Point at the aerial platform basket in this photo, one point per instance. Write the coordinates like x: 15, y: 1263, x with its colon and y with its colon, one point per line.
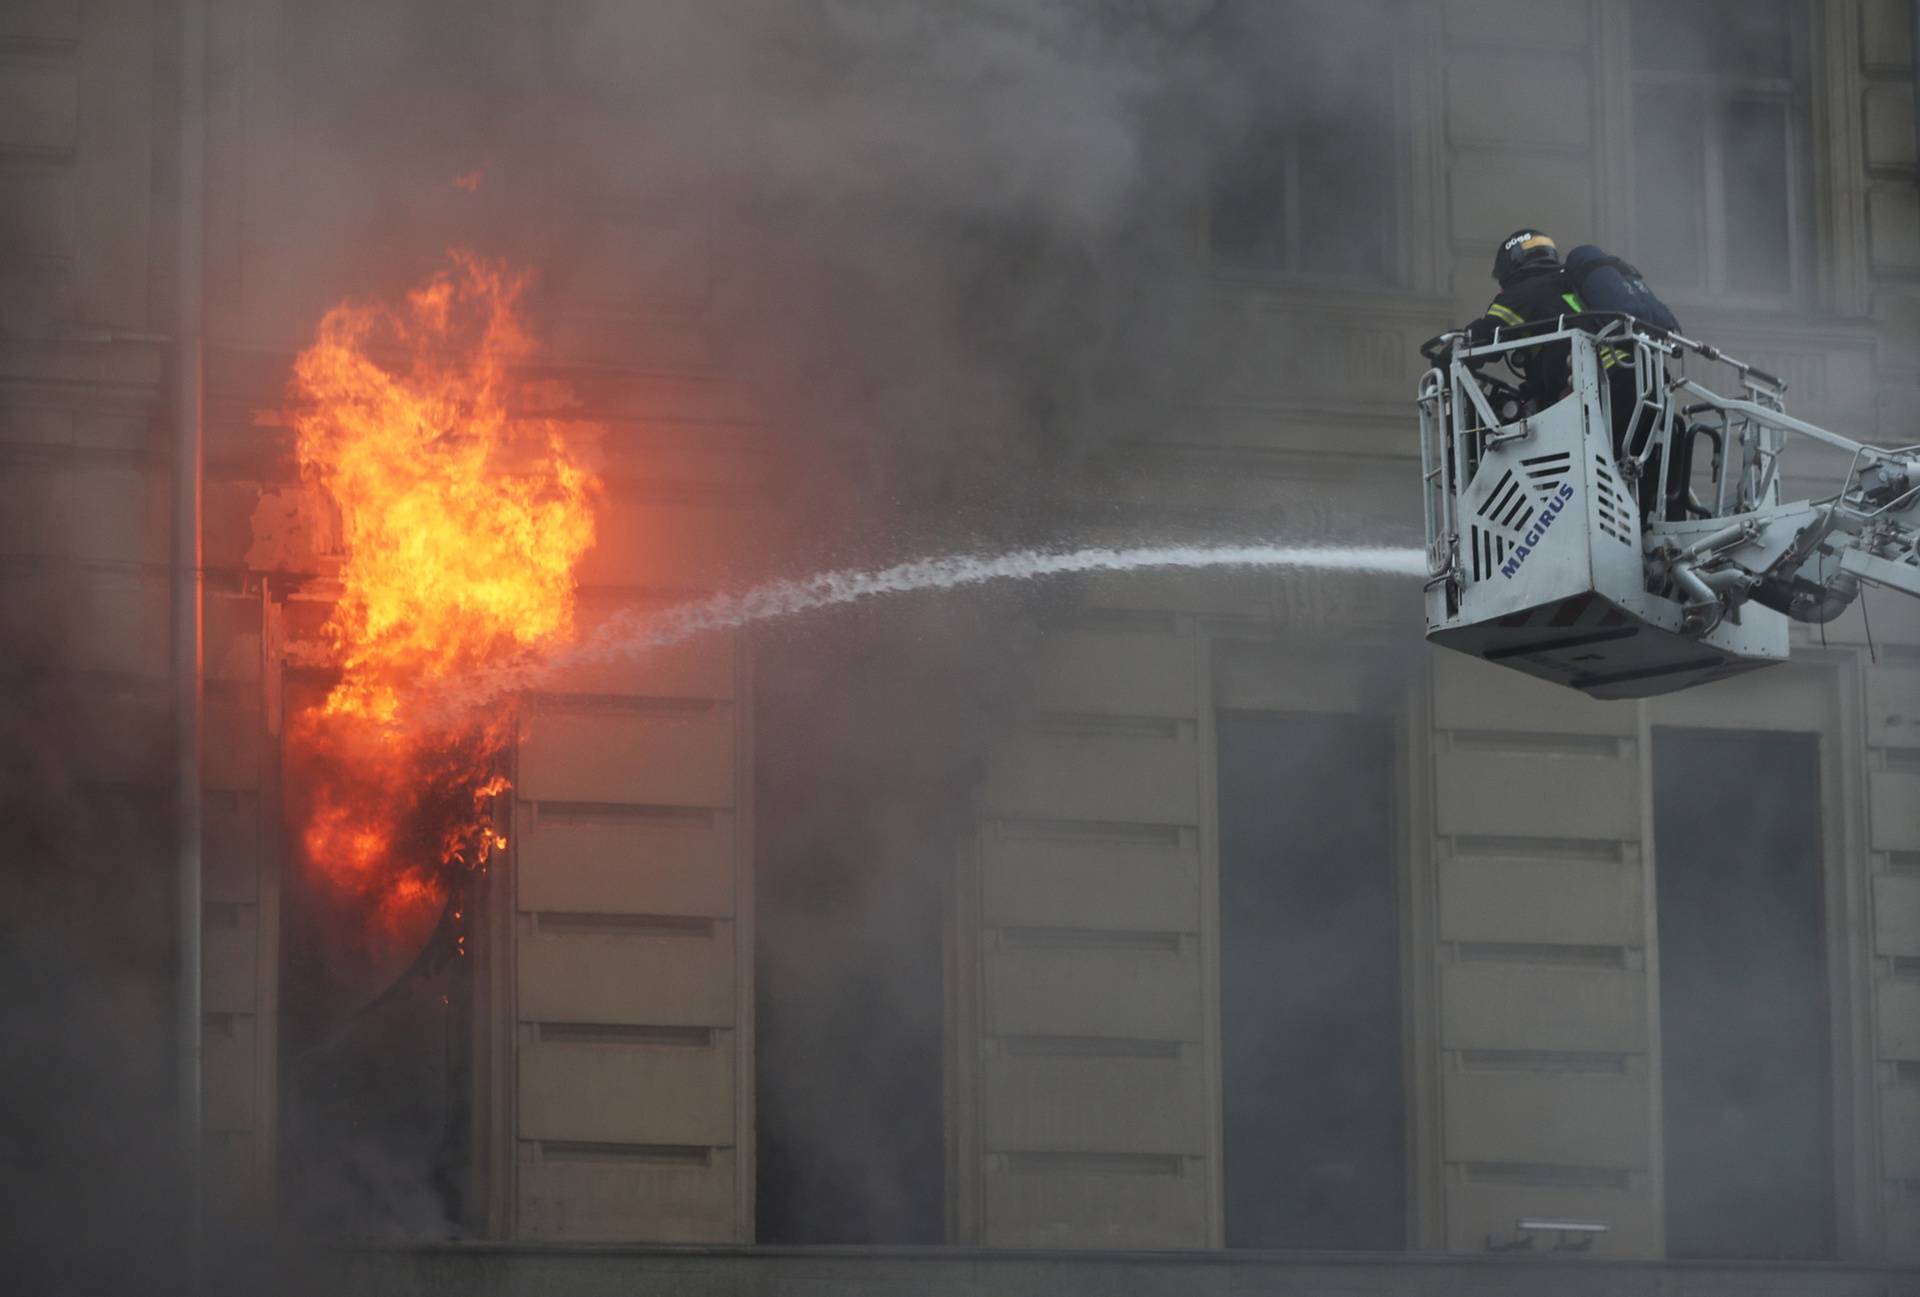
x: 1538, y: 553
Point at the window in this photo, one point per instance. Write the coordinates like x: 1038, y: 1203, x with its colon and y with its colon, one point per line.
x: 1719, y: 102
x: 1313, y: 1097
x: 849, y: 958
x: 1743, y: 995
x: 1305, y: 172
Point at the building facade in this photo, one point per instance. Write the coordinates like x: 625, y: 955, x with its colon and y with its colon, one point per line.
x: 1275, y: 928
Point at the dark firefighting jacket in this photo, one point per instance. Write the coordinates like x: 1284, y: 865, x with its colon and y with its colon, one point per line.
x: 1539, y: 293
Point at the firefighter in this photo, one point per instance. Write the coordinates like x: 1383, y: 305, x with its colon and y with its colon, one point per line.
x: 1608, y: 284
x: 1533, y: 286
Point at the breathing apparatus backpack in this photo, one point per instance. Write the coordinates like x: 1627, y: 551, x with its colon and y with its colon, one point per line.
x: 1606, y: 283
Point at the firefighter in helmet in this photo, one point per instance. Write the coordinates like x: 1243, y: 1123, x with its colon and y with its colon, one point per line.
x: 1533, y: 287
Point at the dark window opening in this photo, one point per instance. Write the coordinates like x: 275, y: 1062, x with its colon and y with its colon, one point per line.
x: 1743, y: 995
x: 1670, y: 188
x: 1314, y: 1103
x: 1303, y: 179
x: 849, y: 969
x: 376, y: 1064
x: 1719, y: 93
x: 1759, y: 249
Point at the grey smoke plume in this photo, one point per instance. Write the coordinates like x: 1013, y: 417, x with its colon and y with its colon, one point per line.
x: 946, y: 254
x: 87, y: 1143
x: 936, y: 243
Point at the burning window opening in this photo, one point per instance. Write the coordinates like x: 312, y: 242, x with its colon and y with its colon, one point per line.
x: 464, y: 508
x: 464, y: 515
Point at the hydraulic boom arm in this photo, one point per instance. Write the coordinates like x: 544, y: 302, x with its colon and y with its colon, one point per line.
x: 1806, y: 558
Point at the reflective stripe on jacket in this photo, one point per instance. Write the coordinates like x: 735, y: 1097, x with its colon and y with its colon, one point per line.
x: 1538, y: 294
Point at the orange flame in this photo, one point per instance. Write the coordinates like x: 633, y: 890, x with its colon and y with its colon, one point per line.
x: 463, y: 519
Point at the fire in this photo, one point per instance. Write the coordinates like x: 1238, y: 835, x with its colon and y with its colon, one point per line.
x: 463, y: 518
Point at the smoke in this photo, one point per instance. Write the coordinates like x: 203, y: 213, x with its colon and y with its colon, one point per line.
x: 937, y: 271
x: 947, y: 260
x: 946, y: 250
x: 1741, y: 238
x: 87, y: 1142
x: 944, y: 258
x: 941, y: 254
